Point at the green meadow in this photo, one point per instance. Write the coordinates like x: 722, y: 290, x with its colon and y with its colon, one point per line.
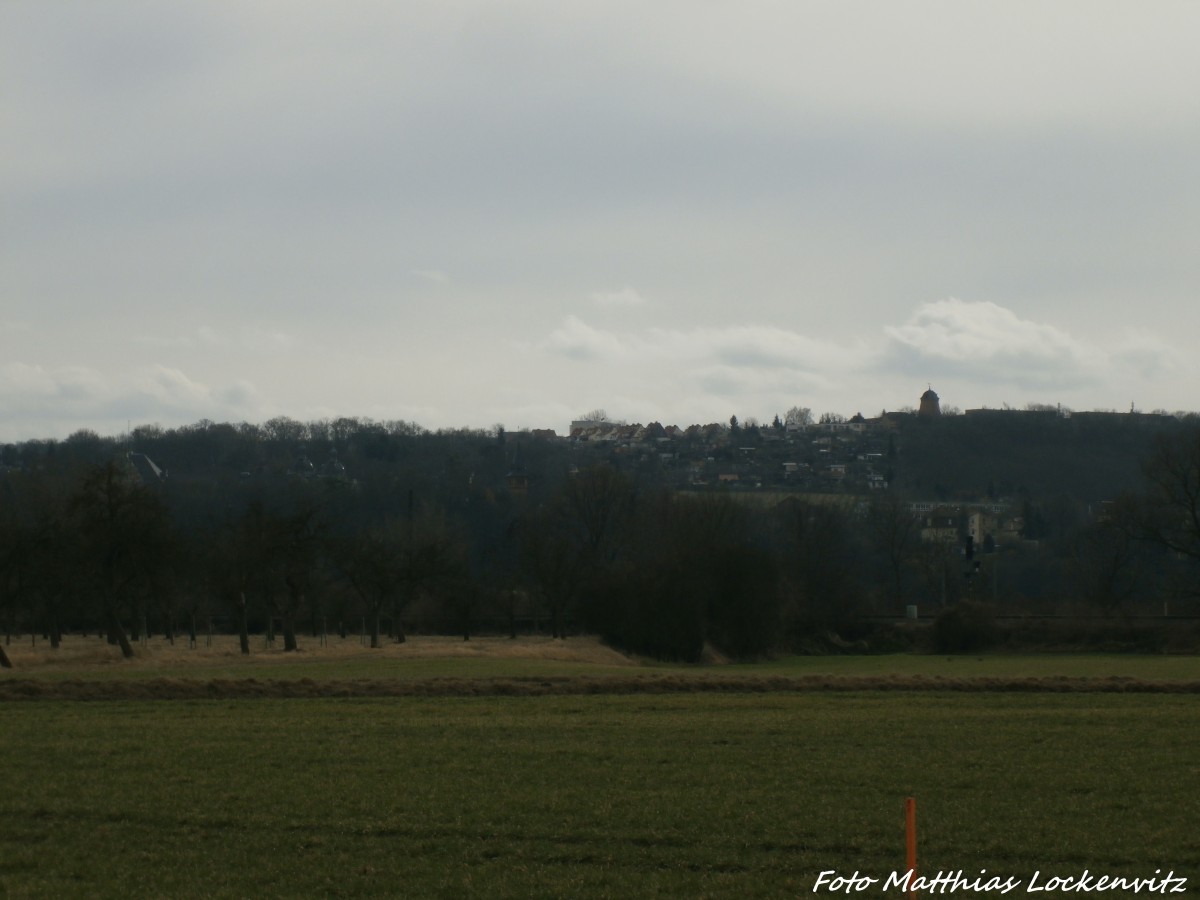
x: 681, y: 795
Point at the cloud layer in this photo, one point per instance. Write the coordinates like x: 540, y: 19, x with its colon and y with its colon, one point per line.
x: 975, y: 353
x: 979, y: 353
x: 41, y: 402
x: 468, y: 213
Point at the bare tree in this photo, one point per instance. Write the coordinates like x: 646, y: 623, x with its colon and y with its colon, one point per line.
x: 1168, y: 514
x: 798, y: 417
x: 575, y: 537
x: 895, y: 534
x: 123, y: 531
x: 822, y: 571
x: 1174, y: 474
x: 1110, y: 566
x: 553, y: 560
x: 388, y: 565
x: 299, y: 548
x: 596, y: 501
x: 372, y: 561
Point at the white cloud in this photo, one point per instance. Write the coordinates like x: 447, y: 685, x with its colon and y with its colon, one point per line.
x: 979, y: 353
x: 54, y: 401
x: 701, y: 374
x: 747, y: 346
x: 169, y: 389
x: 578, y: 340
x: 754, y: 346
x: 985, y: 354
x: 966, y: 332
x: 988, y: 343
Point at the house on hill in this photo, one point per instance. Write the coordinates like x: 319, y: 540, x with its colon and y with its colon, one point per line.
x: 940, y: 525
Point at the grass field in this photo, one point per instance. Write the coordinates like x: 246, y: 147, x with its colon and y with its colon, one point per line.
x: 682, y: 795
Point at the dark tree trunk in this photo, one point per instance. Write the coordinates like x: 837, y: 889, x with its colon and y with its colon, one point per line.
x: 397, y: 622
x: 140, y: 622
x: 295, y: 605
x: 117, y: 635
x: 289, y: 633
x: 244, y: 627
x: 375, y: 627
x: 5, y: 662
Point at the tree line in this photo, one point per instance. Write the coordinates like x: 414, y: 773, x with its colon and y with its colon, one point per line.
x: 435, y: 534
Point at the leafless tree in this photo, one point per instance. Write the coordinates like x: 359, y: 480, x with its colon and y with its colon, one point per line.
x: 895, y: 534
x: 123, y: 528
x: 1168, y: 514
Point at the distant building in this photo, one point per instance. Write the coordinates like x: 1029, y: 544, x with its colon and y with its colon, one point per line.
x: 333, y: 468
x: 941, y: 525
x: 302, y: 466
x: 147, y: 472
x: 930, y: 407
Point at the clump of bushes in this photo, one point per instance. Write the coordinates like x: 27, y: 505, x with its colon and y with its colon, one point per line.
x: 966, y: 627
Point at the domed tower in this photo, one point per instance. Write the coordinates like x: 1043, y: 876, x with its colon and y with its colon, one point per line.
x: 930, y: 409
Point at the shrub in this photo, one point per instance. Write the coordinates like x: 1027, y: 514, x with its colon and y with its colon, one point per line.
x: 966, y: 627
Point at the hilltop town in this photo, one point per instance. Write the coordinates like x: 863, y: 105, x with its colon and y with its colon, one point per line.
x: 861, y: 455
x: 997, y: 474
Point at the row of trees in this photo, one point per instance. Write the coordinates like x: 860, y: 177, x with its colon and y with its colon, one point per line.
x: 657, y: 572
x: 90, y: 546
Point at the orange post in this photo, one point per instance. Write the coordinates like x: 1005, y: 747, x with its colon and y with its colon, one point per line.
x: 910, y: 839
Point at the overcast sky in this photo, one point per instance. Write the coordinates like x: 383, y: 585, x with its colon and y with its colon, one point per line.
x: 464, y: 214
